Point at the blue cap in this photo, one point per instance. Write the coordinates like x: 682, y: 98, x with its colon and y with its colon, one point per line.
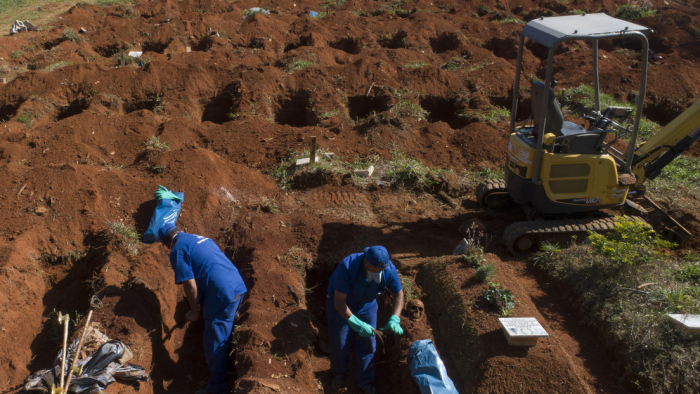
x: 377, y: 256
x: 163, y: 231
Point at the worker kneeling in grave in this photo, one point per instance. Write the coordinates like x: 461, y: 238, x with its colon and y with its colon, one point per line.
x: 351, y: 308
x: 213, y: 286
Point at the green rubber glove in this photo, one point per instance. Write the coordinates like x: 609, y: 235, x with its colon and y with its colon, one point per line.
x: 360, y: 327
x: 165, y: 194
x: 394, y: 325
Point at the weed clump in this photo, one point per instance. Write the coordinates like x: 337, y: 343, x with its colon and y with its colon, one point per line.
x: 500, y: 298
x: 405, y: 108
x: 154, y: 144
x: 485, y: 273
x: 630, y: 241
x: 634, y: 11
x: 127, y: 237
x: 298, y: 65
x: 493, y: 115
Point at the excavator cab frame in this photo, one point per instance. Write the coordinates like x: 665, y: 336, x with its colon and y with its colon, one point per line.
x: 551, y: 32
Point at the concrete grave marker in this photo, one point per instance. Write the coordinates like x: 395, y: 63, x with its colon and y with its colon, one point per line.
x: 188, y: 49
x: 688, y: 324
x: 460, y: 247
x: 135, y: 54
x: 306, y: 160
x: 328, y: 155
x: 522, y: 331
x: 365, y: 173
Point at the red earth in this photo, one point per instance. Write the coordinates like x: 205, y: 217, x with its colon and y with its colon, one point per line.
x: 73, y: 159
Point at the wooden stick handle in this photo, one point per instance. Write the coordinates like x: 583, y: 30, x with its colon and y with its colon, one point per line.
x: 77, y: 354
x: 65, y: 344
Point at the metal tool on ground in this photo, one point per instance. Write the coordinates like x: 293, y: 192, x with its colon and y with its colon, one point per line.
x: 294, y: 294
x: 77, y: 353
x: 563, y: 175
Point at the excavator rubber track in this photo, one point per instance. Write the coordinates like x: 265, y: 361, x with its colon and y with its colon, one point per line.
x: 523, y: 238
x: 493, y: 194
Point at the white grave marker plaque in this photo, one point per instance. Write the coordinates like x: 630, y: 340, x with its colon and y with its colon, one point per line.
x: 522, y: 331
x: 688, y: 324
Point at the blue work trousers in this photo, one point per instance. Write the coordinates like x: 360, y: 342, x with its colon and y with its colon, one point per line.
x: 217, y: 338
x: 340, y: 336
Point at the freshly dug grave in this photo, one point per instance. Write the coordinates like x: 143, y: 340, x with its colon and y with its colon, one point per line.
x: 74, y: 157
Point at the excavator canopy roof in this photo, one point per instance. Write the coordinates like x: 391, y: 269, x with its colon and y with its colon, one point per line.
x: 550, y: 31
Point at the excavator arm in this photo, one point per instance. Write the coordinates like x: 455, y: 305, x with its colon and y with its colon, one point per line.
x: 653, y: 155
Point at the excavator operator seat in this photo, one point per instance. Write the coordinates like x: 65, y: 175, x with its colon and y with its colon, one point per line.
x: 555, y: 119
x: 578, y: 140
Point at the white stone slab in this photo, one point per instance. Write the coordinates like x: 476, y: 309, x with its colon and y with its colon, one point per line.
x: 365, y: 173
x: 306, y: 160
x: 328, y: 155
x: 522, y: 331
x: 688, y: 324
x: 188, y: 49
x: 135, y: 54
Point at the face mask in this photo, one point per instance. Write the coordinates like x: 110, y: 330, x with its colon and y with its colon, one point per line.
x: 374, y: 276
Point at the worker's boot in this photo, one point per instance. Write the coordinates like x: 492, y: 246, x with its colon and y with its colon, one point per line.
x: 337, y: 382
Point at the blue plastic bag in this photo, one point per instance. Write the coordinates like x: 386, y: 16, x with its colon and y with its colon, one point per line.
x: 427, y: 369
x: 166, y: 213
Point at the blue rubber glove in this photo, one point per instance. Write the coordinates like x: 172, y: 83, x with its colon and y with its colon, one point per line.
x: 165, y: 194
x: 394, y: 325
x: 360, y: 327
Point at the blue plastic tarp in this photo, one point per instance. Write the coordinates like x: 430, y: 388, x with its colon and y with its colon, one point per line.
x: 166, y: 213
x: 428, y: 370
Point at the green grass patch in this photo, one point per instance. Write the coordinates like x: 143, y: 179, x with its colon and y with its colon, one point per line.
x: 630, y: 241
x: 416, y: 64
x: 56, y: 66
x: 409, y: 172
x: 27, y: 116
x: 626, y: 305
x: 498, y: 297
x: 406, y: 108
x: 493, y: 115
x: 511, y: 19
x: 634, y: 11
x: 679, y: 183
x: 127, y: 237
x: 298, y: 65
x: 484, y: 273
x: 70, y: 35
x: 154, y: 144
x: 477, y: 67
x: 329, y: 114
x: 269, y: 206
x: 453, y: 64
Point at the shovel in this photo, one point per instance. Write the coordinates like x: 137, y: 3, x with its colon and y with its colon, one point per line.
x: 62, y: 319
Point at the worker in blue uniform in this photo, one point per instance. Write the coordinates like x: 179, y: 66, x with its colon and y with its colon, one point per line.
x: 213, y: 286
x: 351, y: 308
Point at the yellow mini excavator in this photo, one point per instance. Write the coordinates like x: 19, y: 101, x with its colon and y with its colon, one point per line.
x: 562, y: 174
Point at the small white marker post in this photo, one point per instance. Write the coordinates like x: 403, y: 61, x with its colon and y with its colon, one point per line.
x: 688, y: 324
x: 522, y: 331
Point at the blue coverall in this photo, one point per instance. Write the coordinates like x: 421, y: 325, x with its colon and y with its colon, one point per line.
x: 350, y: 278
x: 220, y: 290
